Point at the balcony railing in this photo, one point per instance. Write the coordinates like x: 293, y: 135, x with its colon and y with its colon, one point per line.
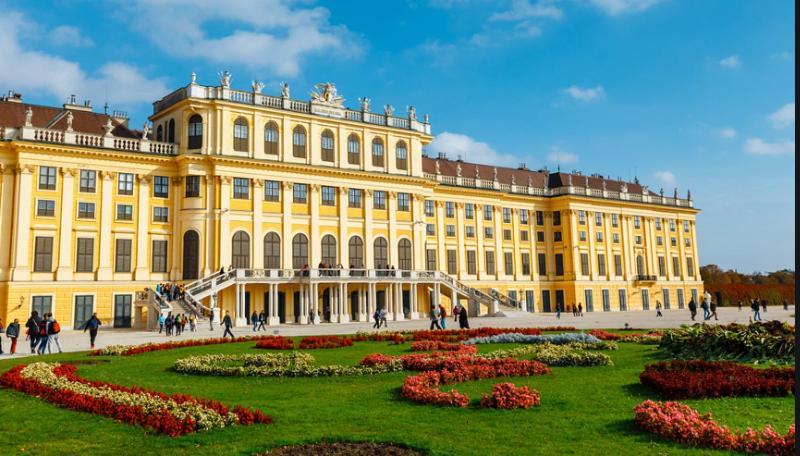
x: 89, y: 140
x: 644, y: 278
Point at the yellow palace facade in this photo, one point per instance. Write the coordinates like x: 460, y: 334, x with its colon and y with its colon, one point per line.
x: 313, y: 210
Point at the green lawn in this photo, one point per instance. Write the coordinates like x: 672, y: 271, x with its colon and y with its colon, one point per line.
x: 585, y: 410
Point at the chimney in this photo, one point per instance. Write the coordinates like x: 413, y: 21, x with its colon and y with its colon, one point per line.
x: 442, y: 156
x: 73, y: 105
x: 121, y: 117
x: 14, y: 97
x: 523, y: 166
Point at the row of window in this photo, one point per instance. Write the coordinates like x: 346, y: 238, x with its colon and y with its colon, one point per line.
x: 84, y: 308
x: 84, y: 256
x: 87, y: 182
x: 86, y: 211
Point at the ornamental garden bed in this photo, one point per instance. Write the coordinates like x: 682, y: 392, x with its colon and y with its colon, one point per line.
x: 758, y: 342
x: 342, y: 449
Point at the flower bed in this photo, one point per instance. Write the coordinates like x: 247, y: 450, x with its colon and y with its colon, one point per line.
x: 769, y: 341
x: 516, y: 338
x: 509, y: 396
x: 395, y: 338
x: 317, y: 342
x: 275, y: 343
x: 456, y: 335
x: 128, y: 350
x: 436, y: 345
x: 295, y: 364
x: 682, y: 424
x: 554, y: 355
x: 172, y: 415
x: 698, y: 379
x: 652, y: 337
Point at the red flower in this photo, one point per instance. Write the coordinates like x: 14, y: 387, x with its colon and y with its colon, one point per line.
x: 509, y: 396
x: 315, y: 342
x: 275, y: 343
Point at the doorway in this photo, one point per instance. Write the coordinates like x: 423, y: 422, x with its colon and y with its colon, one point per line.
x: 191, y: 255
x: 354, y: 306
x: 560, y: 299
x: 84, y: 306
x: 122, y: 311
x: 546, y: 301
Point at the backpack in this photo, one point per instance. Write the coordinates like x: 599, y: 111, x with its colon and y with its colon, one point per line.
x: 43, y: 328
x: 55, y: 328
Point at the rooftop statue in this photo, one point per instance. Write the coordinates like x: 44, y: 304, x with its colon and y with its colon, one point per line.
x: 412, y: 113
x: 494, y: 173
x: 145, y: 130
x: 257, y: 86
x: 325, y: 92
x: 28, y: 116
x: 388, y: 110
x: 225, y: 79
x: 365, y: 101
x: 438, y: 171
x: 69, y: 120
x: 285, y: 89
x: 194, y: 77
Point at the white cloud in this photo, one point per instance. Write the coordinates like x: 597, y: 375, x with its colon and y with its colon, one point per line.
x: 785, y: 56
x: 524, y: 9
x: 561, y: 157
x: 272, y: 35
x: 667, y: 178
x: 757, y: 146
x: 732, y: 61
x: 783, y: 117
x: 727, y: 132
x: 618, y: 7
x: 585, y: 94
x: 43, y: 73
x: 66, y: 35
x: 455, y: 145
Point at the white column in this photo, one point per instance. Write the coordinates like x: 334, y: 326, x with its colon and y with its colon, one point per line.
x: 207, y: 254
x: 65, y: 244
x: 106, y: 211
x: 517, y: 255
x: 480, y: 254
x: 344, y: 304
x: 413, y: 290
x: 462, y: 251
x: 225, y: 241
x: 258, y: 235
x: 398, y: 291
x: 142, y: 272
x: 175, y: 219
x: 343, y: 241
x: 499, y: 254
x: 304, y: 298
x: 286, y: 226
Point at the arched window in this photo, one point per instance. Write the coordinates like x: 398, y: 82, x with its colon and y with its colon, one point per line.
x: 381, y: 253
x: 404, y: 254
x: 356, y: 252
x: 299, y: 251
x: 171, y: 131
x: 271, y: 138
x: 353, y: 150
x: 329, y: 250
x: 241, y: 133
x: 160, y: 133
x: 402, y: 155
x: 195, y: 132
x: 272, y: 251
x: 377, y: 152
x: 299, y: 142
x: 241, y: 250
x: 640, y: 265
x: 327, y: 146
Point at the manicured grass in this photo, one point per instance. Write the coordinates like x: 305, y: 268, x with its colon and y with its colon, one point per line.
x: 585, y: 410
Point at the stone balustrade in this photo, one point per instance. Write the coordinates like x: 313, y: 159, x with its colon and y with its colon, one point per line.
x: 88, y: 140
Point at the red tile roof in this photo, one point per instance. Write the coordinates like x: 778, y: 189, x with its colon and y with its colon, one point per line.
x: 12, y: 114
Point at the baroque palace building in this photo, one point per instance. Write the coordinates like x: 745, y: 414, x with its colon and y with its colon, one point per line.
x: 310, y: 207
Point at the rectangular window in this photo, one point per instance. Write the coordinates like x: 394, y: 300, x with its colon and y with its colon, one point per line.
x: 623, y: 300
x: 272, y: 191
x: 490, y: 269
x: 615, y: 238
x: 557, y: 236
x: 241, y: 188
x: 160, y: 214
x: 556, y: 218
x: 618, y: 265
x: 539, y: 218
x: 430, y: 259
x: 354, y: 198
x: 487, y: 211
x: 659, y: 240
x: 192, y: 189
x: 450, y: 230
x: 122, y: 251
x: 665, y: 295
x: 452, y: 265
x: 645, y: 299
x: 581, y: 217
x: 676, y: 267
x: 506, y: 235
x: 559, y: 264
x: 540, y: 236
x: 637, y: 222
x: 85, y: 210
x: 658, y: 223
x: 488, y: 232
x: 471, y: 267
x: 506, y: 215
x: 159, y: 260
x: 672, y: 224
x: 638, y: 239
x: 45, y: 208
x: 687, y: 242
x: 680, y: 298
x: 300, y: 193
x: 662, y: 268
x: 328, y: 196
x: 582, y: 236
x: 428, y: 208
x: 403, y: 202
x: 88, y: 181
x: 509, y: 262
x: 614, y: 220
x: 523, y: 235
x: 601, y: 264
x: 42, y: 304
x: 47, y: 178
x: 689, y: 267
x: 379, y: 199
x: 599, y: 236
x: 430, y: 229
x: 526, y: 263
x: 43, y: 254
x: 125, y: 184
x: 589, y: 297
x: 469, y: 211
x: 449, y: 209
x: 598, y: 219
x: 585, y: 263
x: 542, y: 258
x: 523, y: 216
x: 161, y: 187
x: 84, y: 259
x: 124, y: 212
x: 673, y: 242
x: 606, y: 301
x: 470, y: 231
x: 685, y: 226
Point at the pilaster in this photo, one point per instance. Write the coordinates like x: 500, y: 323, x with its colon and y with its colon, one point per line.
x: 142, y: 272
x: 67, y: 212
x: 106, y: 212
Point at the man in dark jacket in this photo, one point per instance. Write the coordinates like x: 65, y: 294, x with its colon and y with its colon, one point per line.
x: 692, y: 308
x: 93, y: 324
x: 33, y: 329
x: 463, y: 320
x: 227, y: 324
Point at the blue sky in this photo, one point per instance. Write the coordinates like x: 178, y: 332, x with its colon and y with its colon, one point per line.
x: 690, y: 94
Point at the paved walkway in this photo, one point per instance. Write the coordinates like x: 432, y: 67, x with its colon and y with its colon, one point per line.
x: 72, y: 341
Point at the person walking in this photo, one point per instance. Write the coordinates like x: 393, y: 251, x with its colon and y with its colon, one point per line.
x: 52, y: 333
x: 433, y: 314
x: 764, y: 305
x: 211, y: 320
x: 706, y: 313
x: 785, y: 305
x: 227, y: 324
x: 12, y: 332
x: 580, y: 309
x: 442, y: 316
x: 254, y: 321
x: 558, y: 310
x: 311, y: 317
x: 658, y: 309
x: 740, y: 305
x: 192, y: 323
x: 383, y: 321
x: 456, y: 310
x: 168, y: 321
x: 32, y: 328
x: 262, y: 321
x: 755, y: 309
x: 377, y: 317
x: 92, y: 324
x: 712, y: 307
x: 463, y: 319
x: 692, y: 308
x: 161, y: 320
x: 177, y: 324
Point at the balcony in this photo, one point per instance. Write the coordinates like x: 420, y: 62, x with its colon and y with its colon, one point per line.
x: 644, y: 278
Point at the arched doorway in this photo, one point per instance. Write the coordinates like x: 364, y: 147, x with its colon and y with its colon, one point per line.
x: 191, y: 255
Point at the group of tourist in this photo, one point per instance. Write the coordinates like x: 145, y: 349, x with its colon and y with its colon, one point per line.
x: 438, y: 317
x: 259, y: 321
x: 170, y: 291
x: 176, y: 324
x: 43, y: 332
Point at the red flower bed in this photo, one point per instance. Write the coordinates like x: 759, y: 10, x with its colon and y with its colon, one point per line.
x: 680, y: 423
x: 394, y: 338
x: 455, y: 335
x: 437, y: 345
x: 509, y: 396
x: 376, y: 359
x: 151, y: 347
x: 275, y: 343
x: 315, y: 342
x: 698, y: 379
x: 163, y: 422
x: 605, y: 335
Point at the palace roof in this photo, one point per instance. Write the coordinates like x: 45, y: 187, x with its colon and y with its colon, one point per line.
x: 12, y: 114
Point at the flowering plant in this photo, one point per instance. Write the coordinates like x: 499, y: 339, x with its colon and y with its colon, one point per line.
x: 128, y: 350
x: 698, y: 379
x: 395, y: 338
x: 769, y: 341
x: 652, y: 337
x: 172, y: 415
x: 509, y: 396
x: 554, y: 355
x: 315, y: 342
x: 680, y: 423
x: 294, y: 364
x: 275, y: 343
x: 512, y: 338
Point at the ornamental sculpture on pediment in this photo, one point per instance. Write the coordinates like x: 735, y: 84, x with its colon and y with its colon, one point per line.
x: 325, y: 93
x: 365, y: 101
x: 285, y: 89
x: 388, y: 110
x: 225, y: 78
x: 257, y: 86
x: 70, y: 118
